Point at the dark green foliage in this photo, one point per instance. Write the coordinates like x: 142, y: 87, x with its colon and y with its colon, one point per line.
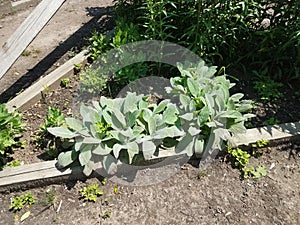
x: 94, y: 80
x: 249, y: 35
x: 267, y: 88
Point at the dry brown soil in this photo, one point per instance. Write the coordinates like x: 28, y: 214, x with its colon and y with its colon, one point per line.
x: 214, y: 196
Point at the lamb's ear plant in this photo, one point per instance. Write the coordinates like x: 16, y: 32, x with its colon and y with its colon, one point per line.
x: 206, y: 107
x: 123, y: 128
x: 112, y: 126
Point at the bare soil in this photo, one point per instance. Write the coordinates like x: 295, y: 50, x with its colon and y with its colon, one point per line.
x: 215, y: 196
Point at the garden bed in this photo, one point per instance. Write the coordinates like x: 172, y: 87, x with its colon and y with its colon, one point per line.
x: 190, y: 196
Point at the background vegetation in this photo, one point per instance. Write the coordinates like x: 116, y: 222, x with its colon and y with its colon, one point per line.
x: 256, y: 39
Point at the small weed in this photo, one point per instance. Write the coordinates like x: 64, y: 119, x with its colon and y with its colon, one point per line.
x: 202, y: 174
x: 271, y: 121
x: 44, y: 139
x: 104, y: 181
x: 65, y: 82
x: 106, y: 214
x: 46, y: 91
x: 91, y: 192
x: 267, y: 88
x: 71, y: 54
x: 256, y: 147
x: 260, y: 143
x: 116, y: 190
x: 77, y: 67
x: 36, y: 51
x: 241, y: 160
x: 26, y: 53
x: 18, y: 202
x: 14, y: 163
x: 50, y: 197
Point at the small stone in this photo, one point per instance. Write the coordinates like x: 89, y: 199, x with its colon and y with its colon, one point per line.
x: 1, y: 26
x: 272, y: 166
x: 228, y: 214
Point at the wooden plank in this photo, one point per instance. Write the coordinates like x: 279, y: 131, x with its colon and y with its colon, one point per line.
x: 26, y: 32
x: 38, y: 176
x: 46, y: 170
x: 270, y: 133
x: 28, y: 168
x: 33, y: 93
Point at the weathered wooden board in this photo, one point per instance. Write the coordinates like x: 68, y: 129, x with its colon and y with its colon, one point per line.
x: 26, y: 32
x: 31, y: 173
x: 33, y: 93
x: 275, y: 132
x: 47, y: 170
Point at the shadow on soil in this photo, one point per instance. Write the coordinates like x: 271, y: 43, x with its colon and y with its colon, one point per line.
x: 101, y: 20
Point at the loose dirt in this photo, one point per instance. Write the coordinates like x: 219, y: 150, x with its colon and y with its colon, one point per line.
x: 215, y: 196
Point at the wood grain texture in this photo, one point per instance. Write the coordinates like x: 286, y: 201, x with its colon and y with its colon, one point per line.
x: 26, y: 32
x: 33, y: 93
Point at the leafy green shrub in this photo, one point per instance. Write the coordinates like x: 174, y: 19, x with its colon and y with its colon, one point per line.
x: 267, y: 88
x: 44, y: 139
x: 94, y: 80
x: 206, y: 106
x: 249, y: 35
x: 11, y: 128
x: 125, y: 128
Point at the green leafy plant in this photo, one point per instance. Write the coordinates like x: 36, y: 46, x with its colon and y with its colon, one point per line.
x: 241, y: 160
x: 18, y: 202
x: 267, y: 88
x: 206, y: 107
x: 126, y: 128
x: 44, y: 139
x: 247, y: 35
x: 257, y: 147
x: 131, y: 124
x: 94, y: 80
x: 91, y: 192
x: 116, y: 190
x: 26, y: 53
x: 260, y: 143
x: 65, y: 82
x: 271, y: 121
x: 106, y: 214
x: 99, y: 43
x: 14, y: 163
x: 77, y: 67
x: 11, y: 128
x: 50, y: 197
